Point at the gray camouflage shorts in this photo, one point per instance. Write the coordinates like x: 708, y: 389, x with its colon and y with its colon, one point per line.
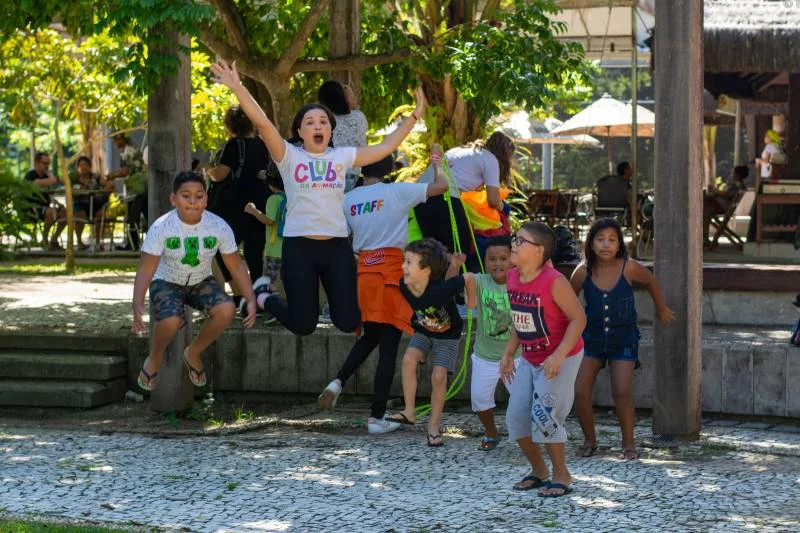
x: 167, y: 299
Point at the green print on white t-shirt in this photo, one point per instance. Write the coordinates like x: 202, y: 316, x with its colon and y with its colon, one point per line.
x: 191, y: 246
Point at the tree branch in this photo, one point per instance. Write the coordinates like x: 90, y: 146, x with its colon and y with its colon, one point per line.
x: 233, y: 22
x: 357, y: 62
x: 253, y: 67
x: 300, y: 38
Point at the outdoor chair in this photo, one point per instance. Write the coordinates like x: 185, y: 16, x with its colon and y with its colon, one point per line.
x: 611, y: 198
x: 721, y: 227
x: 543, y: 205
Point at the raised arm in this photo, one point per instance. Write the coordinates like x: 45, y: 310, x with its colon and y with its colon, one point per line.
x: 439, y: 185
x: 228, y: 76
x: 376, y: 152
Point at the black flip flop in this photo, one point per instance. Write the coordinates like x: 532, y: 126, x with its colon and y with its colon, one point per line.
x: 537, y: 482
x: 431, y: 439
x: 551, y: 485
x: 402, y: 420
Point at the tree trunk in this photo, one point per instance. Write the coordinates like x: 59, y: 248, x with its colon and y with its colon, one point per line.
x: 69, y: 254
x: 678, y: 242
x: 170, y: 147
x: 344, y: 39
x: 282, y: 106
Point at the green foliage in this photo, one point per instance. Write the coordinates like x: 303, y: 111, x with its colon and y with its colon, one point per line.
x: 146, y: 59
x: 13, y: 202
x: 515, y: 59
x: 209, y: 102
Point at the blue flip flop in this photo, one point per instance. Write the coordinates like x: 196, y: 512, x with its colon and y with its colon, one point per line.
x: 550, y: 485
x: 537, y: 482
x: 488, y: 443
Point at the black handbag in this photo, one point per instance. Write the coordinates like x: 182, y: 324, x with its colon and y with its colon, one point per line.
x: 222, y: 194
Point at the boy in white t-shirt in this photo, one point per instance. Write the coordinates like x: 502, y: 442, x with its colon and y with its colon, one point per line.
x: 176, y: 256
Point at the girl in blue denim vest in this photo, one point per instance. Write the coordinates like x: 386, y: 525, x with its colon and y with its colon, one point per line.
x: 607, y: 276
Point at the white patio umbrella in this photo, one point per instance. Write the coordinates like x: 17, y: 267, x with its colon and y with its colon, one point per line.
x: 524, y: 130
x: 608, y: 117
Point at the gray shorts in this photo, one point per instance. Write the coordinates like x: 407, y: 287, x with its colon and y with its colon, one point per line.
x: 445, y: 351
x: 539, y: 406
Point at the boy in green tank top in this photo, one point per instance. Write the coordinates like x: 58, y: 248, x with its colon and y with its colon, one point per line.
x: 494, y: 326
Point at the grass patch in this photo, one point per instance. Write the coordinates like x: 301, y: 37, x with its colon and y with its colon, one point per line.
x: 60, y: 270
x: 29, y: 526
x: 240, y: 415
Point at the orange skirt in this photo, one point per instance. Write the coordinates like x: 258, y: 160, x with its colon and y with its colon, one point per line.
x: 379, y: 296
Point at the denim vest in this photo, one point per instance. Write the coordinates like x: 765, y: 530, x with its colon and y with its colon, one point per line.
x: 610, y: 316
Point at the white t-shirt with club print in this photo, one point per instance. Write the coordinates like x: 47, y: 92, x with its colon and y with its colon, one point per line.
x: 314, y: 185
x: 186, y: 250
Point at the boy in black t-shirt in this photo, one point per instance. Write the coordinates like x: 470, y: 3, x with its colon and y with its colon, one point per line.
x: 430, y: 287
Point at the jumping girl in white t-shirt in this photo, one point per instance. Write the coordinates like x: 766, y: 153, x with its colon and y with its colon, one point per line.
x: 315, y: 244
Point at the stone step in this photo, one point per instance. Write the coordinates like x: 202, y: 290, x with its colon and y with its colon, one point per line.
x: 105, y: 344
x: 49, y: 393
x: 62, y: 366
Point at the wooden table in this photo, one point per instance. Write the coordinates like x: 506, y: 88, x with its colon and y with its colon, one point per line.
x: 774, y: 199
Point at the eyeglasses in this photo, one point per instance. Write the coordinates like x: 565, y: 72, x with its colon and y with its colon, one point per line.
x: 519, y: 241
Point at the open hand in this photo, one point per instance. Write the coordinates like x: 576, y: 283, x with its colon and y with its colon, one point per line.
x: 226, y: 74
x: 507, y: 369
x: 139, y: 326
x: 250, y: 319
x: 552, y: 366
x: 665, y: 315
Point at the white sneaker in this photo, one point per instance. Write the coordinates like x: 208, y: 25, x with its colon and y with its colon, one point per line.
x: 327, y: 400
x: 381, y: 425
x: 261, y: 286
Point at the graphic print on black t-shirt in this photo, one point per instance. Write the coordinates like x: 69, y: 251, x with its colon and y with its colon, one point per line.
x: 435, y: 311
x: 529, y: 322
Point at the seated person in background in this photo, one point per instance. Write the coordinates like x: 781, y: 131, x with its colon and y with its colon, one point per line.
x: 44, y: 209
x: 717, y: 200
x: 82, y: 204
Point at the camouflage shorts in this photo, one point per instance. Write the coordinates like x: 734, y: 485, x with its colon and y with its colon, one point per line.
x: 167, y: 299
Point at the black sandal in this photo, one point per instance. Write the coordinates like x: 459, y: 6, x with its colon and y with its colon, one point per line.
x: 435, y: 441
x: 403, y: 419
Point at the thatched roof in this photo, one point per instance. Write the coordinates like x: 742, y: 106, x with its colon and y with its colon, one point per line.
x: 751, y: 35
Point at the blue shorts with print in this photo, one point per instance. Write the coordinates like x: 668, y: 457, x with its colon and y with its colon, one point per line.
x: 623, y: 353
x: 167, y: 299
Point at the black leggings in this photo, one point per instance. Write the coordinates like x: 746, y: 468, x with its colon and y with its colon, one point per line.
x: 306, y: 262
x: 387, y: 338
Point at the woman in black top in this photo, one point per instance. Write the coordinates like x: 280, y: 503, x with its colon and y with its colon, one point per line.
x: 250, y: 187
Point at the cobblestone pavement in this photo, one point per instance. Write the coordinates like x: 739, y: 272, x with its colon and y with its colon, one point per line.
x: 291, y: 479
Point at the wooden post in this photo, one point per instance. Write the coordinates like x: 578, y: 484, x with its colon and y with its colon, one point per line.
x: 169, y: 152
x: 678, y: 217
x: 791, y: 137
x: 344, y: 39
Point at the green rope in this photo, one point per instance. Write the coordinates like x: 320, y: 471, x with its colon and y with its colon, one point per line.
x: 460, y: 379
